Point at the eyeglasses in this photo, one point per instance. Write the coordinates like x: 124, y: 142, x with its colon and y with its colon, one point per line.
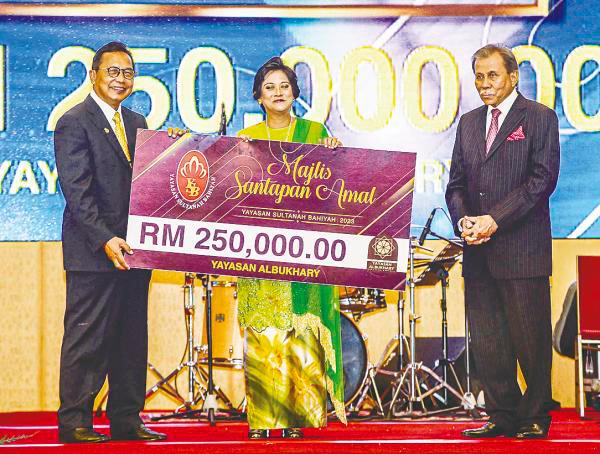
x: 114, y: 71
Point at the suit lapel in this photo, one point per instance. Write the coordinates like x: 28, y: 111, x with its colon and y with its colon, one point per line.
x: 513, y: 119
x: 100, y: 121
x: 480, y: 131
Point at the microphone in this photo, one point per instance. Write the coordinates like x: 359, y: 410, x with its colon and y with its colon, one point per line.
x: 427, y: 227
x: 223, y: 124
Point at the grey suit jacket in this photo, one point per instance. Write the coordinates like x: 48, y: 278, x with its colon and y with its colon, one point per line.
x: 512, y: 183
x: 95, y: 179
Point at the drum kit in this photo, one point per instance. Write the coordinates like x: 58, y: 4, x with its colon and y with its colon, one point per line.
x: 398, y: 382
x: 398, y: 385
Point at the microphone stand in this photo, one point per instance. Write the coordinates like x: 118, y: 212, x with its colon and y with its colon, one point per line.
x: 468, y: 395
x: 210, y: 402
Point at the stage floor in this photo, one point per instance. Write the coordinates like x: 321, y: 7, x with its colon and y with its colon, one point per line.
x: 568, y: 434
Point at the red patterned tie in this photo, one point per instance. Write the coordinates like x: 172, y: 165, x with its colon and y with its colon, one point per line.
x: 493, y: 131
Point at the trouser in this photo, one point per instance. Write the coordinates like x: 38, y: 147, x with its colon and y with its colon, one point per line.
x: 105, y: 334
x: 509, y: 320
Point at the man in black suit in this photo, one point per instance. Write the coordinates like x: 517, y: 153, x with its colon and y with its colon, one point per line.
x: 106, y: 329
x: 504, y: 167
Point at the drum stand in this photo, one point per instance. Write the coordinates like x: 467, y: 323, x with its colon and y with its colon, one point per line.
x: 409, y: 384
x: 395, y: 347
x: 200, y: 382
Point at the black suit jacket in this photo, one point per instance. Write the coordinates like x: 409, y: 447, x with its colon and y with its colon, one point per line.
x: 513, y: 184
x: 95, y: 179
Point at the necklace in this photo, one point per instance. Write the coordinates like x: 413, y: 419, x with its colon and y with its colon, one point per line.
x: 287, y: 139
x: 287, y: 134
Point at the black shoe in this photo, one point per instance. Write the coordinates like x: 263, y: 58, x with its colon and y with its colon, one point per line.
x: 528, y: 431
x: 489, y: 430
x: 81, y: 435
x: 292, y: 433
x: 139, y: 433
x: 255, y: 434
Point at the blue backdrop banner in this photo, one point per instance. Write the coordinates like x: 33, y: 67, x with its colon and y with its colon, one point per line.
x: 396, y: 83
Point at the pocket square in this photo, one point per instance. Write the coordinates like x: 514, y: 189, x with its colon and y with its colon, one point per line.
x: 517, y: 134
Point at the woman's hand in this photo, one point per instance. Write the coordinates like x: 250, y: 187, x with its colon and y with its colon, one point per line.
x: 174, y: 133
x: 245, y: 138
x: 331, y: 142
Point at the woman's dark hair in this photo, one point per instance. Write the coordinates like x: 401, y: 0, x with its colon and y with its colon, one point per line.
x: 113, y: 46
x: 274, y: 64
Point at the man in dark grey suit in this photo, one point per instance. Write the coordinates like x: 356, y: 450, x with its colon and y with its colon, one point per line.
x: 504, y: 168
x: 106, y: 329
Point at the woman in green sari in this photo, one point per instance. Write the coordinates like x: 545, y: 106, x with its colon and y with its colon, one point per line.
x: 293, y: 344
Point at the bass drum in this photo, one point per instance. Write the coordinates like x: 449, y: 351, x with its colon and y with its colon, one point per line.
x: 227, y: 336
x: 354, y: 356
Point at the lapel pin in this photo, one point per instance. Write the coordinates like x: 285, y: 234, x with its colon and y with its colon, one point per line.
x: 106, y: 130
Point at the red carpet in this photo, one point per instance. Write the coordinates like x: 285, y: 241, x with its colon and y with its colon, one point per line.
x: 568, y: 434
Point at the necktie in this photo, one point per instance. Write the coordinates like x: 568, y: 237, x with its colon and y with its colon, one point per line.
x: 120, y: 132
x: 493, y: 131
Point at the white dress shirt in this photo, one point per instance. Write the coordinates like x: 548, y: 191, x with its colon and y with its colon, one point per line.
x: 504, y: 108
x: 109, y: 112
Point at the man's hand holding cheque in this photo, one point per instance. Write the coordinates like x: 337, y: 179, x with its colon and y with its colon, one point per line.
x: 114, y: 248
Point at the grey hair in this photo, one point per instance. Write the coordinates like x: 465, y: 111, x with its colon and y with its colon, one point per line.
x: 510, y: 61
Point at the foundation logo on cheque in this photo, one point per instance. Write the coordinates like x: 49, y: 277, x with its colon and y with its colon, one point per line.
x: 383, y: 254
x: 192, y: 185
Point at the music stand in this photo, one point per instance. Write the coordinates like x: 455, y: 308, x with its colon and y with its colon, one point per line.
x: 437, y: 270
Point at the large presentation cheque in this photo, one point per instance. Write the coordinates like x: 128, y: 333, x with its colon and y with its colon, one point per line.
x: 271, y: 210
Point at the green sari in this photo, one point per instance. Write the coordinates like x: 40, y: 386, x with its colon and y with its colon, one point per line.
x: 293, y: 350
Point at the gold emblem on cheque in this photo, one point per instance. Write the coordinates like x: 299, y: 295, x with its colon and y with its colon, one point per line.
x: 383, y: 247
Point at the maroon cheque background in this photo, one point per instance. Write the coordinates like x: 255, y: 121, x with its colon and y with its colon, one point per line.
x: 391, y: 172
